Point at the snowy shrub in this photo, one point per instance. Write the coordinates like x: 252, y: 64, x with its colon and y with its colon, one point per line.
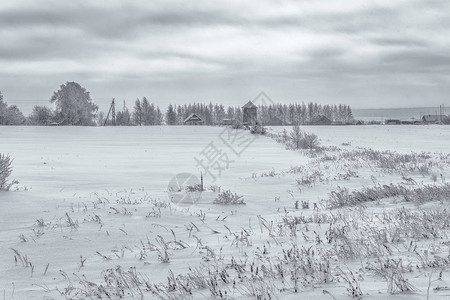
x: 5, y: 172
x: 339, y: 198
x: 303, y: 140
x: 258, y: 129
x: 236, y: 125
x: 310, y: 141
x: 229, y: 198
x: 310, y: 179
x: 194, y: 188
x: 297, y: 139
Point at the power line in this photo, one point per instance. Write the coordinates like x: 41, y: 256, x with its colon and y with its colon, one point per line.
x: 27, y: 100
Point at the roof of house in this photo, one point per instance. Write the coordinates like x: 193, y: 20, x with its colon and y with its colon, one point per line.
x: 321, y: 119
x: 249, y: 105
x: 193, y: 117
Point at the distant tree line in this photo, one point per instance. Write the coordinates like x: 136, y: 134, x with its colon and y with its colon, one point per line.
x: 301, y: 114
x: 74, y: 106
x: 284, y: 114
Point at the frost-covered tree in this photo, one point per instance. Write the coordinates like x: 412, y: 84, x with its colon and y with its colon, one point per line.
x: 148, y: 112
x: 3, y: 107
x: 74, y: 105
x: 180, y: 115
x: 14, y: 116
x: 137, y: 113
x: 10, y: 115
x: 41, y: 115
x: 100, y: 118
x: 159, y: 116
x: 123, y: 118
x: 171, y: 116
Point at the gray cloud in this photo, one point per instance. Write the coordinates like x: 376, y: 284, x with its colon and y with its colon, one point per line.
x: 399, y: 41
x: 426, y: 61
x: 177, y: 51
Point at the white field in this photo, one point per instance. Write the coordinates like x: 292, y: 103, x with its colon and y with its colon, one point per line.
x: 91, y: 199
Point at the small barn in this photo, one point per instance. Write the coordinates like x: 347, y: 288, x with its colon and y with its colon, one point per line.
x: 321, y: 120
x: 250, y: 113
x: 193, y: 119
x: 434, y: 119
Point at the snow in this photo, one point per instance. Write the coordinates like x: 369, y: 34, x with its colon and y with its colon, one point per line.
x: 121, y: 175
x: 400, y: 138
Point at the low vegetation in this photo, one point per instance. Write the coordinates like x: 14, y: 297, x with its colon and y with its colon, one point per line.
x: 343, y: 197
x: 229, y: 198
x: 5, y: 172
x: 297, y: 139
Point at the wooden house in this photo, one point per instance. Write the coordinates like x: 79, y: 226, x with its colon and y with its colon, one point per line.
x: 193, y: 119
x: 321, y: 120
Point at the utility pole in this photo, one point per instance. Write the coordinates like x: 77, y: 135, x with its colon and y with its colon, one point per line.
x: 443, y: 114
x: 113, y: 115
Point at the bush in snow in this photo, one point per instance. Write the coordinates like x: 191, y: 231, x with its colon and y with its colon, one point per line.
x: 258, y: 129
x: 303, y: 140
x: 228, y: 197
x: 310, y: 141
x: 5, y: 172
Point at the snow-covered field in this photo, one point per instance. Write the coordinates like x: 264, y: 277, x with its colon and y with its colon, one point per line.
x: 92, y: 216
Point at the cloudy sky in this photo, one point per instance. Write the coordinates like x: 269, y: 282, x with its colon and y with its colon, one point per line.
x: 371, y: 53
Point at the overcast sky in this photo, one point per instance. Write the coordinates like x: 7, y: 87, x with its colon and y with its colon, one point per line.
x: 371, y: 53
